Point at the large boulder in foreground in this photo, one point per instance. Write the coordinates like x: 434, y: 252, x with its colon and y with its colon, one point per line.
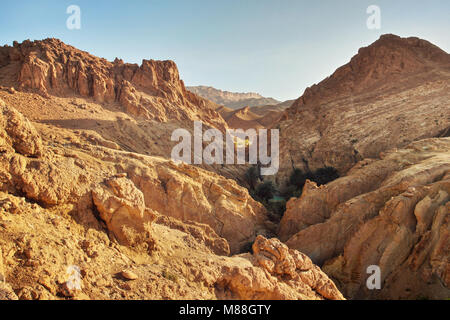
x: 121, y: 205
x: 279, y: 273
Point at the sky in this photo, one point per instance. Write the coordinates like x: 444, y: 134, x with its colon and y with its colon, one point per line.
x: 276, y: 48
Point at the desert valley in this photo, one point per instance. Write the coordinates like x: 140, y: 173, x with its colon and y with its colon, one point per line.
x: 88, y: 186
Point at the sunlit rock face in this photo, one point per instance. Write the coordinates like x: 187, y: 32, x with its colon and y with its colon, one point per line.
x: 392, y: 213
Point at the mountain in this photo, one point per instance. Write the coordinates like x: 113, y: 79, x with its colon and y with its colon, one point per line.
x: 383, y: 121
x: 151, y: 91
x: 232, y: 100
x: 135, y: 106
x: 391, y: 93
x: 92, y: 207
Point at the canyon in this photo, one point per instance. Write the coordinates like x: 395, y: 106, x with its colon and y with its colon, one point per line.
x: 87, y: 182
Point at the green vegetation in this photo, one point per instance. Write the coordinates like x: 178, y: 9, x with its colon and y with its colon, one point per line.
x: 266, y: 190
x: 170, y: 276
x: 252, y: 176
x: 275, y: 198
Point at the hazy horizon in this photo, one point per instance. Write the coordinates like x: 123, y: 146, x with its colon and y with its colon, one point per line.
x: 273, y: 48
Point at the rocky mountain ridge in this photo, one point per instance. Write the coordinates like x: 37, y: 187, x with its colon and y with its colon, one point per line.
x: 152, y: 91
x: 233, y: 100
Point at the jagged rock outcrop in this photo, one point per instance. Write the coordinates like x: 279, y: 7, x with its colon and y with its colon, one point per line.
x: 121, y: 206
x: 150, y: 91
x: 391, y: 93
x: 284, y: 274
x: 392, y: 212
x: 127, y: 106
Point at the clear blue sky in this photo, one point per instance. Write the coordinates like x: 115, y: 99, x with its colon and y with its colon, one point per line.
x: 274, y: 47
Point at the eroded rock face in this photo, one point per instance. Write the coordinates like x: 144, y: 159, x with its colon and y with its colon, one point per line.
x: 391, y: 93
x: 181, y: 266
x: 200, y: 232
x: 191, y: 194
x: 392, y: 213
x: 150, y: 91
x: 121, y: 205
x: 17, y: 133
x: 283, y: 274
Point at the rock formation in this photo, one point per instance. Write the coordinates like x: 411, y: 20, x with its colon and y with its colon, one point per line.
x: 91, y: 207
x: 393, y: 213
x: 17, y: 134
x: 134, y: 107
x: 391, y: 93
x: 150, y: 91
x: 276, y: 262
x: 85, y: 220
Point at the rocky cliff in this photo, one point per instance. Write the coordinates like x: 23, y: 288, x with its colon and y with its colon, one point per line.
x: 393, y: 213
x: 135, y: 107
x: 152, y: 90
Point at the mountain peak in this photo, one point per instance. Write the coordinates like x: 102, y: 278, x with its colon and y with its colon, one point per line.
x: 389, y: 61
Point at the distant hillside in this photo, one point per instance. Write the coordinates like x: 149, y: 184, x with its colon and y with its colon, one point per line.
x: 254, y: 117
x: 264, y: 109
x: 232, y: 100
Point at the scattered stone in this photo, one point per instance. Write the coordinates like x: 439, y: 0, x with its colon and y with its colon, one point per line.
x: 129, y: 275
